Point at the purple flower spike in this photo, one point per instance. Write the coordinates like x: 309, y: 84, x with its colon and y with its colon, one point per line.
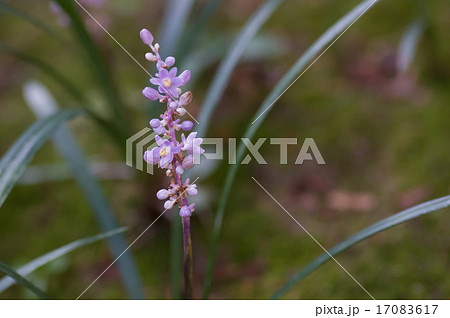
x: 171, y: 155
x: 187, y: 125
x: 150, y: 93
x: 146, y: 37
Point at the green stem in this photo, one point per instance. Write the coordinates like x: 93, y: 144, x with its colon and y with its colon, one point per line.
x: 187, y: 258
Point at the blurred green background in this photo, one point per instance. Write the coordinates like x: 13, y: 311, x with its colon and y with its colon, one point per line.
x: 384, y: 137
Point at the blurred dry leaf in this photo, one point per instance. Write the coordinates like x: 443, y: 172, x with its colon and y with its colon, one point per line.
x: 412, y: 197
x: 350, y: 201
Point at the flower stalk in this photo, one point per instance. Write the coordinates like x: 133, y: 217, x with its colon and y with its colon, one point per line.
x: 188, y: 268
x: 171, y: 154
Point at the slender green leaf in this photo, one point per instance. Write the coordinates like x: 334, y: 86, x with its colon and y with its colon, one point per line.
x: 96, y: 63
x: 19, y: 155
x: 199, y: 25
x: 59, y: 78
x: 23, y: 281
x: 262, y: 47
x: 69, y: 87
x: 36, y: 22
x: 378, y: 227
x: 408, y: 44
x: 232, y: 57
x: 53, y: 172
x: 174, y: 20
x: 267, y: 104
x: 30, y: 267
x: 43, y: 104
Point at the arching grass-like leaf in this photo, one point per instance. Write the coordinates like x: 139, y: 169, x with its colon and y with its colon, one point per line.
x: 262, y: 47
x: 96, y: 63
x: 262, y: 112
x: 23, y: 281
x: 408, y: 44
x: 378, y: 227
x: 6, y: 8
x: 173, y: 23
x: 199, y: 25
x: 30, y: 267
x: 59, y: 78
x: 43, y: 104
x: 13, y: 163
x: 230, y: 61
x: 69, y: 87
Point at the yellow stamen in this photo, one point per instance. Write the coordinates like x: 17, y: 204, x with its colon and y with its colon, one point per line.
x: 163, y: 152
x: 167, y: 82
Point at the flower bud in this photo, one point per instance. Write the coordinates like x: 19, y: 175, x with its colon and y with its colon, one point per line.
x: 181, y: 111
x: 192, y: 190
x: 169, y: 61
x: 150, y: 57
x: 185, y: 212
x: 150, y: 93
x: 155, y: 123
x: 186, y: 98
x: 173, y: 105
x: 188, y: 162
x: 162, y: 194
x: 179, y: 170
x: 187, y: 125
x: 169, y: 204
x: 146, y: 37
x: 185, y: 77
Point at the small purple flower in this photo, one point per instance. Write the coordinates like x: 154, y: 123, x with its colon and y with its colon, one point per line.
x: 191, y: 144
x: 168, y: 82
x: 166, y: 151
x: 163, y: 154
x: 152, y: 156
